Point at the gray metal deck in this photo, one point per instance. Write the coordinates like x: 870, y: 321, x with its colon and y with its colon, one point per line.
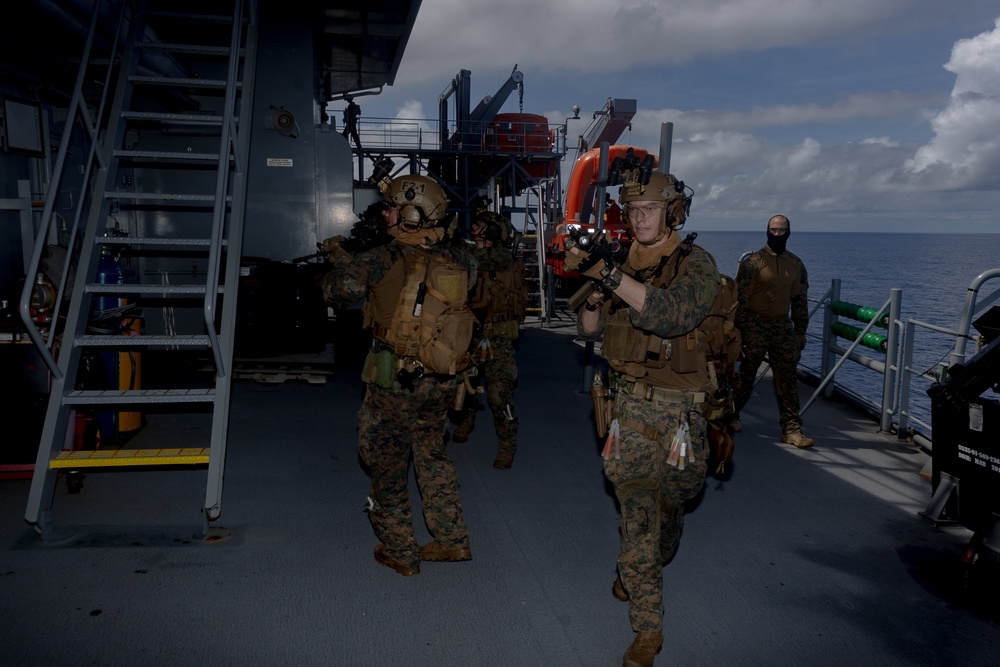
x: 804, y: 557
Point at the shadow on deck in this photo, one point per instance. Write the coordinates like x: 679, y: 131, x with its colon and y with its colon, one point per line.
x: 803, y: 557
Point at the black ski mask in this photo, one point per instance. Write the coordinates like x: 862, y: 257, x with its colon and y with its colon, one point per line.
x: 776, y: 242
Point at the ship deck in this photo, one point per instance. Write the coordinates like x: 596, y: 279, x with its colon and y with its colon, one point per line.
x: 814, y: 557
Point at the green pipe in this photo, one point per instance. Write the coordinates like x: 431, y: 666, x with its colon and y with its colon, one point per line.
x: 871, y: 340
x: 860, y: 313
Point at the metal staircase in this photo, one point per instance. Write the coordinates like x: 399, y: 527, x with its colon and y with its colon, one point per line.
x: 530, y: 250
x: 542, y: 213
x: 165, y: 135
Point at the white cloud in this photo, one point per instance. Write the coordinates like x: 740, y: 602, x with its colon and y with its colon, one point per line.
x: 850, y: 107
x: 615, y: 35
x: 831, y: 156
x: 965, y: 151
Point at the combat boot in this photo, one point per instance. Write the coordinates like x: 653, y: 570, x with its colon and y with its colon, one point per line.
x: 462, y: 431
x: 433, y: 551
x: 504, y: 459
x: 618, y: 590
x: 797, y: 439
x: 644, y: 648
x: 399, y: 566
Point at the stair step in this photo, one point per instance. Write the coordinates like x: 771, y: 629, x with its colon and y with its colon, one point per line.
x: 193, y: 49
x: 195, y: 118
x: 104, y: 458
x: 192, y: 16
x: 147, y: 240
x: 165, y: 196
x: 105, y: 340
x: 151, y: 288
x: 181, y: 81
x: 138, y: 396
x: 166, y: 155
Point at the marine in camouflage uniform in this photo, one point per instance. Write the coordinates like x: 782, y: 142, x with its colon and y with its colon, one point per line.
x: 648, y: 310
x: 772, y: 283
x: 499, y: 306
x: 403, y: 417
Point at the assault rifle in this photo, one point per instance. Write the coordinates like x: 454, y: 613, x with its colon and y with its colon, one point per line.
x: 367, y: 233
x: 617, y: 253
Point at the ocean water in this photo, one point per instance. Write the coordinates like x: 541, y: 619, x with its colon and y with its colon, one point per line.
x: 932, y: 270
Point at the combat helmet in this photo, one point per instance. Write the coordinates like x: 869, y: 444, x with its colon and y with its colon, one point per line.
x: 499, y: 230
x: 420, y: 199
x: 659, y: 187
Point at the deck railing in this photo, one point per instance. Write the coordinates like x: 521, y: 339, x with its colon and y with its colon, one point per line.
x: 425, y: 134
x: 895, y: 408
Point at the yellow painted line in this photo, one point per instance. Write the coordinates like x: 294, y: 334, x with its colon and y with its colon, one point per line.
x: 104, y: 458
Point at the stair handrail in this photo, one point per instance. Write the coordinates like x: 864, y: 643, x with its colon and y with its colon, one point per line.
x: 226, y: 147
x: 77, y: 107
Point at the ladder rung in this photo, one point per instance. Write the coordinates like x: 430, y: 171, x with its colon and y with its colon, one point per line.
x: 138, y: 396
x: 107, y: 340
x: 167, y: 155
x: 181, y: 81
x: 103, y: 458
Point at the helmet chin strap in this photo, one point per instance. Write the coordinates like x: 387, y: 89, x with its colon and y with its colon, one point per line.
x: 665, y: 228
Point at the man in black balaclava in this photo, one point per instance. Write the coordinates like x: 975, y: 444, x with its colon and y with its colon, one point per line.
x: 772, y: 282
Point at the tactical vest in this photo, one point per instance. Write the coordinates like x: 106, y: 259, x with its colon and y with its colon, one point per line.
x: 500, y: 301
x: 432, y: 322
x: 676, y: 363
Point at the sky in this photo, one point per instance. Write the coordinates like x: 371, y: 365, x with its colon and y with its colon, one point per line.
x: 854, y: 116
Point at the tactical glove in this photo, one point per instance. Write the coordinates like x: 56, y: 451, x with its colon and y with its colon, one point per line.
x: 801, y: 336
x: 585, y: 256
x: 573, y: 259
x: 334, y: 248
x: 598, y: 262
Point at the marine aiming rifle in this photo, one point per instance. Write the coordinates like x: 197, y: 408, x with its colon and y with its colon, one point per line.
x: 367, y: 233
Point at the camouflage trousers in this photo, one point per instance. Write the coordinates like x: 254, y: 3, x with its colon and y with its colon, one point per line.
x: 396, y: 426
x: 652, y: 494
x: 776, y: 339
x: 499, y: 374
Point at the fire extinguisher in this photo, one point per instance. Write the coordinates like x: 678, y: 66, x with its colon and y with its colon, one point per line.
x: 107, y: 306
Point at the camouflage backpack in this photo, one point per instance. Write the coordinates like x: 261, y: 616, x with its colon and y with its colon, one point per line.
x: 718, y: 332
x: 432, y: 321
x: 500, y: 300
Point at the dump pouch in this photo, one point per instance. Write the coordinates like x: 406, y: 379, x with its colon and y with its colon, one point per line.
x: 380, y: 368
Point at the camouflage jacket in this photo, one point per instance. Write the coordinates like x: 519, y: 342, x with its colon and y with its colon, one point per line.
x: 500, y: 294
x: 770, y: 285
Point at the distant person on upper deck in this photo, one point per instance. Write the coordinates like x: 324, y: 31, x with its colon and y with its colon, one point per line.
x: 351, y: 113
x: 773, y: 282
